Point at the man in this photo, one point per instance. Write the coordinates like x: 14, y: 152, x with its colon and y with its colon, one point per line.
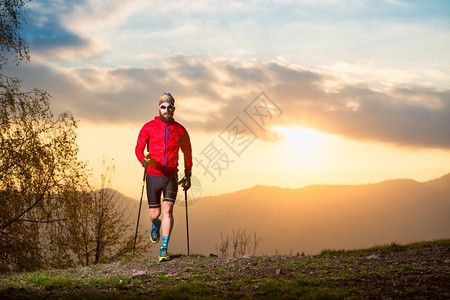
x: 163, y: 137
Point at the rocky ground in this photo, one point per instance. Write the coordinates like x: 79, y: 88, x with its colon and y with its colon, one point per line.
x: 413, y: 272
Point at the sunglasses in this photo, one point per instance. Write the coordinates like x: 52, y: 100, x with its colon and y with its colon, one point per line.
x: 169, y: 107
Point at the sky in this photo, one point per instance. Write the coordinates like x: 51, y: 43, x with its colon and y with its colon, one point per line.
x: 280, y: 93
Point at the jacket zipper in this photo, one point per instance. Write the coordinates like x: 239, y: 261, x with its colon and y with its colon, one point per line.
x: 166, y: 141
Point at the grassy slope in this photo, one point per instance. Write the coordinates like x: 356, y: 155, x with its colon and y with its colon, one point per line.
x: 420, y: 270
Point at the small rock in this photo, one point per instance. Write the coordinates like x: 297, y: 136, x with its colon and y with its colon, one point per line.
x: 373, y: 256
x: 278, y: 272
x: 138, y: 274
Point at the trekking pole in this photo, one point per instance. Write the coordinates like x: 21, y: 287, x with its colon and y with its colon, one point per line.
x: 187, y: 220
x: 139, y: 211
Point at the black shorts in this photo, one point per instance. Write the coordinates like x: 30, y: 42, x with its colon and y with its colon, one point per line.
x: 167, y: 185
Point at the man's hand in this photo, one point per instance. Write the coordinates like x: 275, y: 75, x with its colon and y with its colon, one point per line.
x: 145, y: 162
x: 185, y: 182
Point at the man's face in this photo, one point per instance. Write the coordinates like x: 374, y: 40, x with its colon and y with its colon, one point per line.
x: 166, y: 111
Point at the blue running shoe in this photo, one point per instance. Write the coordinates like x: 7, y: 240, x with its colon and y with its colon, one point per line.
x: 163, y: 254
x: 154, y: 233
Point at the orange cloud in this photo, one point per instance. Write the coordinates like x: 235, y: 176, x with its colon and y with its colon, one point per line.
x: 210, y: 93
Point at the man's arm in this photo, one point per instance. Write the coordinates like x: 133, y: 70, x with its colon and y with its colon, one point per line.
x: 187, y: 153
x: 141, y: 144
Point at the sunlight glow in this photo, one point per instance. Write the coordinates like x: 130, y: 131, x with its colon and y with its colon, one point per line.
x: 305, y: 146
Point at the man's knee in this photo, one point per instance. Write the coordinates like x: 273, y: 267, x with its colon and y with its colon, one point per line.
x: 154, y: 213
x: 167, y: 208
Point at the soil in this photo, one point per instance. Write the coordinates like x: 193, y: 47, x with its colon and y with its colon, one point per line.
x: 410, y: 273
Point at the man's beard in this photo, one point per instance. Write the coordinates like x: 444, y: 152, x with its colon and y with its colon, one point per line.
x: 167, y: 118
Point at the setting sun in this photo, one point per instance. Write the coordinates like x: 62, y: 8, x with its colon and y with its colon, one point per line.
x: 306, y: 147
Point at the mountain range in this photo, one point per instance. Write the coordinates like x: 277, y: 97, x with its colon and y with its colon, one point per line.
x: 313, y: 218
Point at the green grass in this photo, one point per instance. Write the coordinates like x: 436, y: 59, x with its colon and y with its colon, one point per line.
x: 300, y: 288
x: 223, y: 269
x: 301, y: 264
x: 48, y: 281
x: 182, y: 289
x: 393, y: 247
x: 334, y: 274
x: 242, y: 281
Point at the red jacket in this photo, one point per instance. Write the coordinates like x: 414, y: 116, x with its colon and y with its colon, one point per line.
x: 163, y: 140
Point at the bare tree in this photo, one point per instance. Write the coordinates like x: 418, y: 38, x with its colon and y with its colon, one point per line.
x: 255, y: 243
x: 240, y: 241
x: 244, y: 241
x: 223, y: 247
x: 37, y: 153
x: 38, y: 161
x: 97, y: 224
x: 12, y: 16
x: 235, y: 240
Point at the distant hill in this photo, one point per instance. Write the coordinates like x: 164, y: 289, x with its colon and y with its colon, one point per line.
x: 442, y: 182
x: 317, y: 217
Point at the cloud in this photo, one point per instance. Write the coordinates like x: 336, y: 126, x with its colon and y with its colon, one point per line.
x: 49, y: 32
x: 307, y: 32
x: 211, y: 93
x: 44, y: 28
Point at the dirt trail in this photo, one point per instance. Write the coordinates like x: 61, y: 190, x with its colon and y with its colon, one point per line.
x: 422, y: 272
